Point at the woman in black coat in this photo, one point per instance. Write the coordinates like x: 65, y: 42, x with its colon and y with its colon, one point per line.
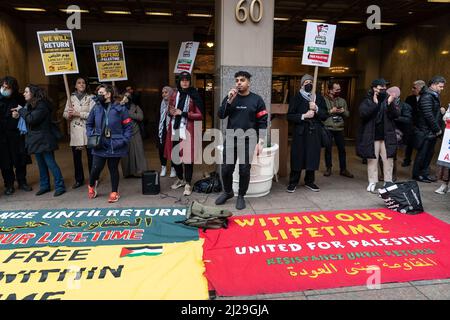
x: 39, y: 139
x: 377, y: 137
x: 307, y: 139
x: 12, y: 143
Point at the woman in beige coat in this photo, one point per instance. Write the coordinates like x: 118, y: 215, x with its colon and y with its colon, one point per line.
x: 76, y: 112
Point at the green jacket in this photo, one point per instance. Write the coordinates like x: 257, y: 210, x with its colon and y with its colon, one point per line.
x: 335, y: 122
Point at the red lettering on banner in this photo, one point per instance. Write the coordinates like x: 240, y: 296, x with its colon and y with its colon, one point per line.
x: 447, y: 157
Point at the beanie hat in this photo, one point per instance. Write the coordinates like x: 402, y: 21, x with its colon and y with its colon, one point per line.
x: 306, y: 77
x: 394, y: 91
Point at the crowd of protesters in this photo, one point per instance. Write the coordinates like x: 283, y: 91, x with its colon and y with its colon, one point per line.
x: 106, y: 127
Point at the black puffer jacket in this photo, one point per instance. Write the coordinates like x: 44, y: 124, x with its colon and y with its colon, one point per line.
x: 368, y: 110
x: 39, y: 137
x: 428, y: 112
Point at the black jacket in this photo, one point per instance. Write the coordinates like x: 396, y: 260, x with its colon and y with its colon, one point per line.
x: 368, y: 111
x: 306, y: 139
x: 39, y: 137
x: 12, y: 144
x: 412, y: 101
x: 429, y: 114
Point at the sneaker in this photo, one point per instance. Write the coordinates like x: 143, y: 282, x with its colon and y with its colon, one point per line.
x: 442, y: 189
x: 163, y: 171
x: 291, y: 188
x: 187, y: 190
x: 371, y: 187
x: 92, y: 191
x: 346, y: 173
x: 240, y: 203
x: 224, y: 197
x: 173, y: 173
x: 327, y: 172
x: 178, y: 184
x: 113, y: 197
x: 312, y: 187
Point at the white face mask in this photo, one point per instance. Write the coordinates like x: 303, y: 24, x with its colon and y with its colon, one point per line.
x: 5, y: 92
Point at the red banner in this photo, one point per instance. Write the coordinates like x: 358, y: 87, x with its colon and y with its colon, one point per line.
x: 294, y: 252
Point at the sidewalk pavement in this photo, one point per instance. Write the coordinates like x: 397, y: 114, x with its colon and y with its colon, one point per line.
x: 337, y: 193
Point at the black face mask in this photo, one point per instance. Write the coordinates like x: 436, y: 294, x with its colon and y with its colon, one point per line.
x: 308, y: 87
x: 101, y: 98
x: 382, y: 95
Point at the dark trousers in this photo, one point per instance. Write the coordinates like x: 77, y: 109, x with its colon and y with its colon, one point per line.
x: 9, y: 176
x: 162, y: 159
x: 338, y: 137
x: 294, y: 177
x: 188, y: 168
x: 423, y: 158
x: 229, y: 165
x: 98, y: 164
x: 78, y: 163
x: 408, y: 151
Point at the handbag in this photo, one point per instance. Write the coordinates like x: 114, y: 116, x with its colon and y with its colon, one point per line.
x: 56, y: 132
x: 94, y: 141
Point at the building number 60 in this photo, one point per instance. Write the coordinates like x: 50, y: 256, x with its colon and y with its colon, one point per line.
x: 242, y: 12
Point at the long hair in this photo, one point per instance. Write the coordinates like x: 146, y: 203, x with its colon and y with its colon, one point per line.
x: 37, y: 94
x: 12, y: 83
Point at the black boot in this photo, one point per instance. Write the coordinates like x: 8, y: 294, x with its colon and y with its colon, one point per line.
x: 224, y: 197
x: 240, y: 203
x: 9, y: 190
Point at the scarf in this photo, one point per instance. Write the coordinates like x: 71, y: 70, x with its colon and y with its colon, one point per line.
x: 182, y: 121
x: 307, y: 95
x: 163, y: 111
x: 79, y: 96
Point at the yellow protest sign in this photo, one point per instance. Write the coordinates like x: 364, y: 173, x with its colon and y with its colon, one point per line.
x: 157, y: 271
x: 110, y: 61
x: 57, y: 52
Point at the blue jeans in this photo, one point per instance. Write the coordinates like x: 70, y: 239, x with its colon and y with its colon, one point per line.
x: 46, y: 161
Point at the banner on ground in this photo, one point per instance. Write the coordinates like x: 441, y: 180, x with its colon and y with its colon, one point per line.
x: 110, y: 61
x: 444, y: 154
x: 294, y: 252
x: 127, y: 253
x: 186, y: 57
x: 57, y: 52
x: 318, y: 46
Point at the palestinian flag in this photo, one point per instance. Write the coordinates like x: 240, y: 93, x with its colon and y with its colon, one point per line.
x: 141, y: 251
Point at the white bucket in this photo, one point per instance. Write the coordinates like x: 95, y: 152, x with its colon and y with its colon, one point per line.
x: 264, y: 167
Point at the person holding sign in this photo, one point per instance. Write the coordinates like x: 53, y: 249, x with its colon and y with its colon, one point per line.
x: 444, y: 172
x: 109, y: 128
x: 377, y: 137
x: 76, y: 112
x: 39, y: 139
x: 185, y: 107
x: 306, y: 112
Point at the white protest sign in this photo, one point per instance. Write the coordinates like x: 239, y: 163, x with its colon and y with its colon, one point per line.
x: 186, y: 57
x: 444, y: 154
x: 319, y: 42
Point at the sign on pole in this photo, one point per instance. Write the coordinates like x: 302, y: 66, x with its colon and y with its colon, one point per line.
x: 186, y: 57
x: 110, y: 61
x: 444, y: 154
x: 318, y: 47
x: 57, y: 52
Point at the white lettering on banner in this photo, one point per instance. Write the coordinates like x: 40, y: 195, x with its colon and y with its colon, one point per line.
x: 256, y: 11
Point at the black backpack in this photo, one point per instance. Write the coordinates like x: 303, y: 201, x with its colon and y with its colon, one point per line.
x: 209, y: 184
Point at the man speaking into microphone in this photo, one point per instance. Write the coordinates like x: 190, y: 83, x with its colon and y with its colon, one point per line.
x: 247, y: 115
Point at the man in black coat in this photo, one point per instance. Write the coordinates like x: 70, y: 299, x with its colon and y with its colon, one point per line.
x: 376, y: 138
x: 413, y: 101
x: 12, y: 143
x: 427, y: 128
x: 307, y: 115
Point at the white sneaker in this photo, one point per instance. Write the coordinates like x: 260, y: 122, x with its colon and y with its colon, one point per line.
x: 371, y: 187
x: 163, y: 171
x: 178, y: 184
x: 173, y: 173
x: 187, y: 190
x: 442, y: 189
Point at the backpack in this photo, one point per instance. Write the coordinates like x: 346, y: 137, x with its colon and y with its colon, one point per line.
x: 204, y: 217
x: 403, y: 197
x: 209, y: 184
